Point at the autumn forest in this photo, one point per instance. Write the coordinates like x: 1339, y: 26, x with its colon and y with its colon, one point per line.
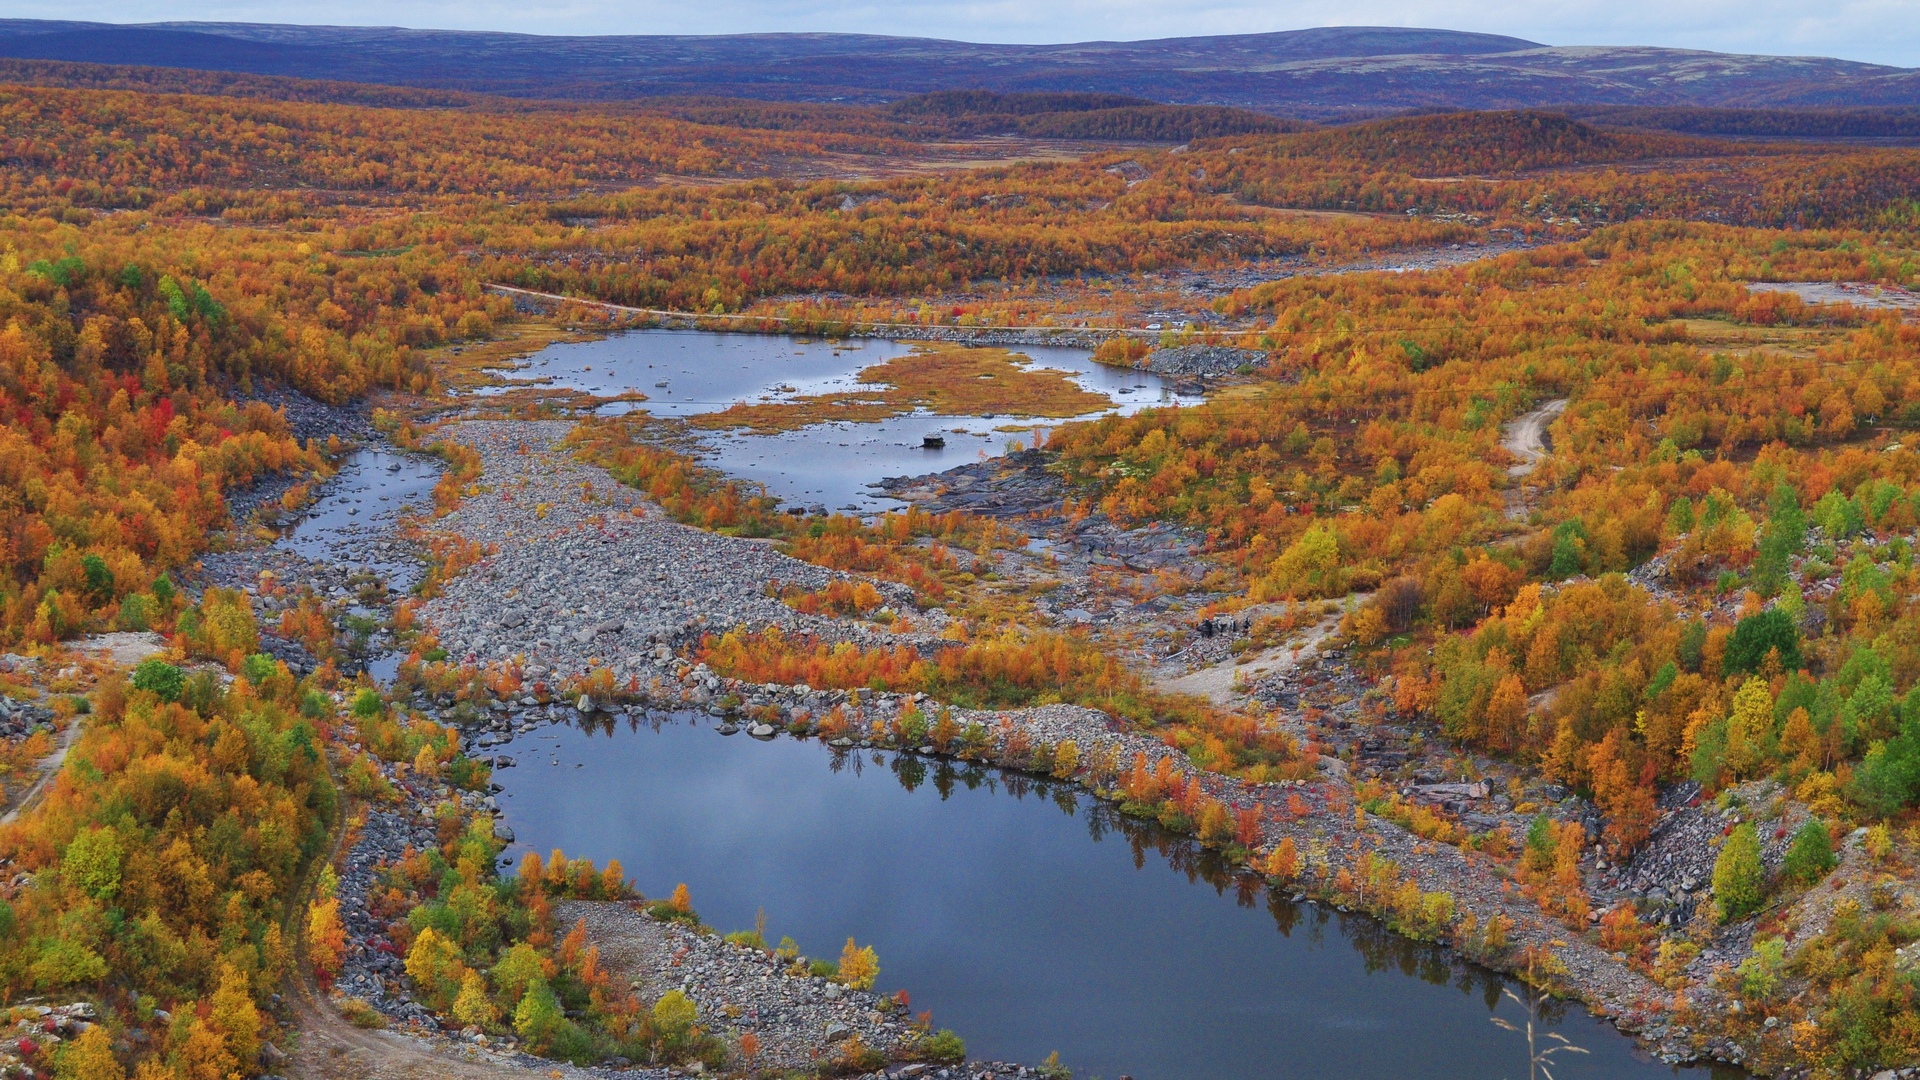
x: 1558, y: 509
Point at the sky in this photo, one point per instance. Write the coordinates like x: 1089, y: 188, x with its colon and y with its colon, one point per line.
x: 1877, y: 31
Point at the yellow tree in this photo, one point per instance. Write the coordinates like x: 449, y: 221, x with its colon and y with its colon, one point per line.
x: 326, y: 938
x: 1750, y: 728
x: 859, y: 967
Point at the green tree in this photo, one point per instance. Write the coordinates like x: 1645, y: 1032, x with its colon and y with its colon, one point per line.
x: 1693, y: 644
x: 160, y: 679
x: 1889, y: 776
x: 92, y: 863
x: 1540, y: 843
x: 674, y: 1017
x: 1738, y: 876
x: 1680, y: 516
x: 1569, y: 550
x: 1785, y: 534
x: 99, y: 578
x: 517, y: 969
x: 1757, y: 635
x: 1810, y: 855
x: 64, y: 963
x: 1838, y: 516
x: 1760, y: 973
x: 538, y: 1018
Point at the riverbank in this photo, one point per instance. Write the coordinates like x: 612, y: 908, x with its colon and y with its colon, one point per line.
x: 798, y: 1021
x: 1318, y: 817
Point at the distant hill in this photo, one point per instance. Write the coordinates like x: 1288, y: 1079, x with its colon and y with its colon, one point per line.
x: 1890, y: 123
x: 1485, y: 143
x: 1080, y: 116
x: 1323, y: 73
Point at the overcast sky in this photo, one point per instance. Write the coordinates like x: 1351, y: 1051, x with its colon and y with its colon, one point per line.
x: 1881, y: 31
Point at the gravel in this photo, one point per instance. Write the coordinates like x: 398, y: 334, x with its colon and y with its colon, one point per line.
x: 737, y: 988
x: 606, y: 575
x: 1202, y: 360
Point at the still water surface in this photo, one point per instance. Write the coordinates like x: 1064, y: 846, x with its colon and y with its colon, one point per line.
x: 1026, y: 917
x: 827, y: 464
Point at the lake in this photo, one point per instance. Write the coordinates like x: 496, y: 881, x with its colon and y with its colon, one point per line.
x: 1027, y: 916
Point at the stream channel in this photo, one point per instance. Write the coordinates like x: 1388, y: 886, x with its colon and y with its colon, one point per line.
x: 1027, y: 916
x: 689, y: 372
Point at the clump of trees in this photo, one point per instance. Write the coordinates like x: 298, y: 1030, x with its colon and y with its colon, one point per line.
x: 165, y: 859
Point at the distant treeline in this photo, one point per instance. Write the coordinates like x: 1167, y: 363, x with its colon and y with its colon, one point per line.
x: 1082, y: 116
x: 164, y: 80
x: 1868, y: 122
x: 952, y: 113
x: 945, y: 114
x: 1475, y: 143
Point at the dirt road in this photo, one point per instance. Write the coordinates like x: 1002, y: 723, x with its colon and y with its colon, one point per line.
x: 329, y: 1048
x: 1526, y: 436
x: 49, y: 768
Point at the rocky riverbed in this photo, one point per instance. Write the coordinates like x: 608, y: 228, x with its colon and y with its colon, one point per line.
x: 586, y: 569
x: 613, y: 581
x: 590, y: 573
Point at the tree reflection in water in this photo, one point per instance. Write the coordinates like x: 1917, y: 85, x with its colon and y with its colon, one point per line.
x: 1380, y: 948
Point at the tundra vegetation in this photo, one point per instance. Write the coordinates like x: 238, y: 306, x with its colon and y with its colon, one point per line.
x: 1710, y: 578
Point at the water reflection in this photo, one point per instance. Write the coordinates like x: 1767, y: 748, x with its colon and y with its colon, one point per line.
x: 690, y: 372
x: 1028, y: 915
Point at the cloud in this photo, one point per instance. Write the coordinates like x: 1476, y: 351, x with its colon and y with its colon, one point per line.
x: 1880, y: 31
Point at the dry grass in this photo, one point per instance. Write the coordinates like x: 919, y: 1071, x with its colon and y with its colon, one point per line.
x: 470, y: 366
x: 1797, y: 341
x: 946, y: 380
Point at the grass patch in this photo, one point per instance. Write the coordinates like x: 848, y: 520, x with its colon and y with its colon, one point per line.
x: 946, y: 380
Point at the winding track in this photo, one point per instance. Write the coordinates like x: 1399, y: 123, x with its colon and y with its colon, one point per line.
x: 1526, y: 436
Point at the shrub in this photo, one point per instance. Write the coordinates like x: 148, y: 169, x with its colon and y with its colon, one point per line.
x: 674, y: 1018
x: 360, y: 1014
x: 944, y: 1047
x: 1760, y: 973
x: 1737, y: 874
x: 1810, y: 855
x: 160, y: 679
